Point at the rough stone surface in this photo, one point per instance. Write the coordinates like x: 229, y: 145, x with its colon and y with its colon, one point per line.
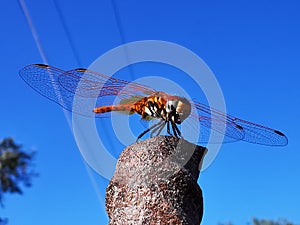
x: 155, y: 182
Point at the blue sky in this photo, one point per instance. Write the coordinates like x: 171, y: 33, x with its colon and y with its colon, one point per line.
x: 251, y: 46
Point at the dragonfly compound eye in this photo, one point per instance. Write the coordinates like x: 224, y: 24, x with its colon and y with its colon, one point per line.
x: 183, y: 109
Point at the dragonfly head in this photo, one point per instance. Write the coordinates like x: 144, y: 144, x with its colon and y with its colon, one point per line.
x: 178, y: 109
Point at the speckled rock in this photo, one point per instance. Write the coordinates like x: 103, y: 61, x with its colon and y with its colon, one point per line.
x: 155, y: 182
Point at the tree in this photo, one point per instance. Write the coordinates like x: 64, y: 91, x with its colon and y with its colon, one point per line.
x: 256, y: 221
x: 271, y: 222
x: 3, y: 221
x: 15, y: 170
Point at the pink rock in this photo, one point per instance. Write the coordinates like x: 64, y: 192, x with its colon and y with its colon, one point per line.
x: 155, y: 182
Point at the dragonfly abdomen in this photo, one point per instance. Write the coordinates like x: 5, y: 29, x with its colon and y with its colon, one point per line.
x: 120, y: 108
x: 147, y: 107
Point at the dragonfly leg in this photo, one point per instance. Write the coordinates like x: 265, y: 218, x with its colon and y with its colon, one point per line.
x: 168, y: 128
x: 150, y: 128
x: 159, y: 128
x: 175, y: 129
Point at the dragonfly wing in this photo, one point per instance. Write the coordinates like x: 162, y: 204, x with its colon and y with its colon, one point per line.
x: 216, y: 130
x: 90, y: 84
x: 259, y: 134
x: 90, y: 89
x: 237, y: 129
x: 108, y: 90
x: 44, y: 80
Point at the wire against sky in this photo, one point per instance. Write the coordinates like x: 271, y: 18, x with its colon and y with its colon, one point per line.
x: 40, y: 48
x: 67, y: 32
x: 122, y: 35
x: 33, y: 31
x: 42, y: 53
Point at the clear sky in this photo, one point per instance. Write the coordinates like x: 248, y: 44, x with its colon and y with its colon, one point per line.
x: 251, y: 46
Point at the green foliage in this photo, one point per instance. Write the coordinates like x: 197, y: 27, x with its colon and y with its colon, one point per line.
x: 271, y: 222
x: 3, y: 221
x: 14, y: 168
x: 256, y: 221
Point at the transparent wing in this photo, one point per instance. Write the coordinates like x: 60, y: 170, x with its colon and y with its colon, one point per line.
x: 44, y: 80
x: 90, y: 89
x: 91, y: 84
x: 235, y: 128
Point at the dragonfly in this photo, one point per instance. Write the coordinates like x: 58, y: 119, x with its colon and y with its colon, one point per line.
x: 62, y: 86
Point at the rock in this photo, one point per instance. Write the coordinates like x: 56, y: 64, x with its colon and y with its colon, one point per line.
x: 155, y: 182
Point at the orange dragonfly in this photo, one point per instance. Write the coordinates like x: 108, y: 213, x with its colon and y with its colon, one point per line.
x: 61, y: 86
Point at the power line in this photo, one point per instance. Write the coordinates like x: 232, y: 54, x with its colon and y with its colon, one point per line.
x: 40, y: 49
x: 76, y: 55
x: 118, y: 21
x: 33, y: 31
x: 45, y: 61
x: 67, y: 32
x: 122, y: 35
